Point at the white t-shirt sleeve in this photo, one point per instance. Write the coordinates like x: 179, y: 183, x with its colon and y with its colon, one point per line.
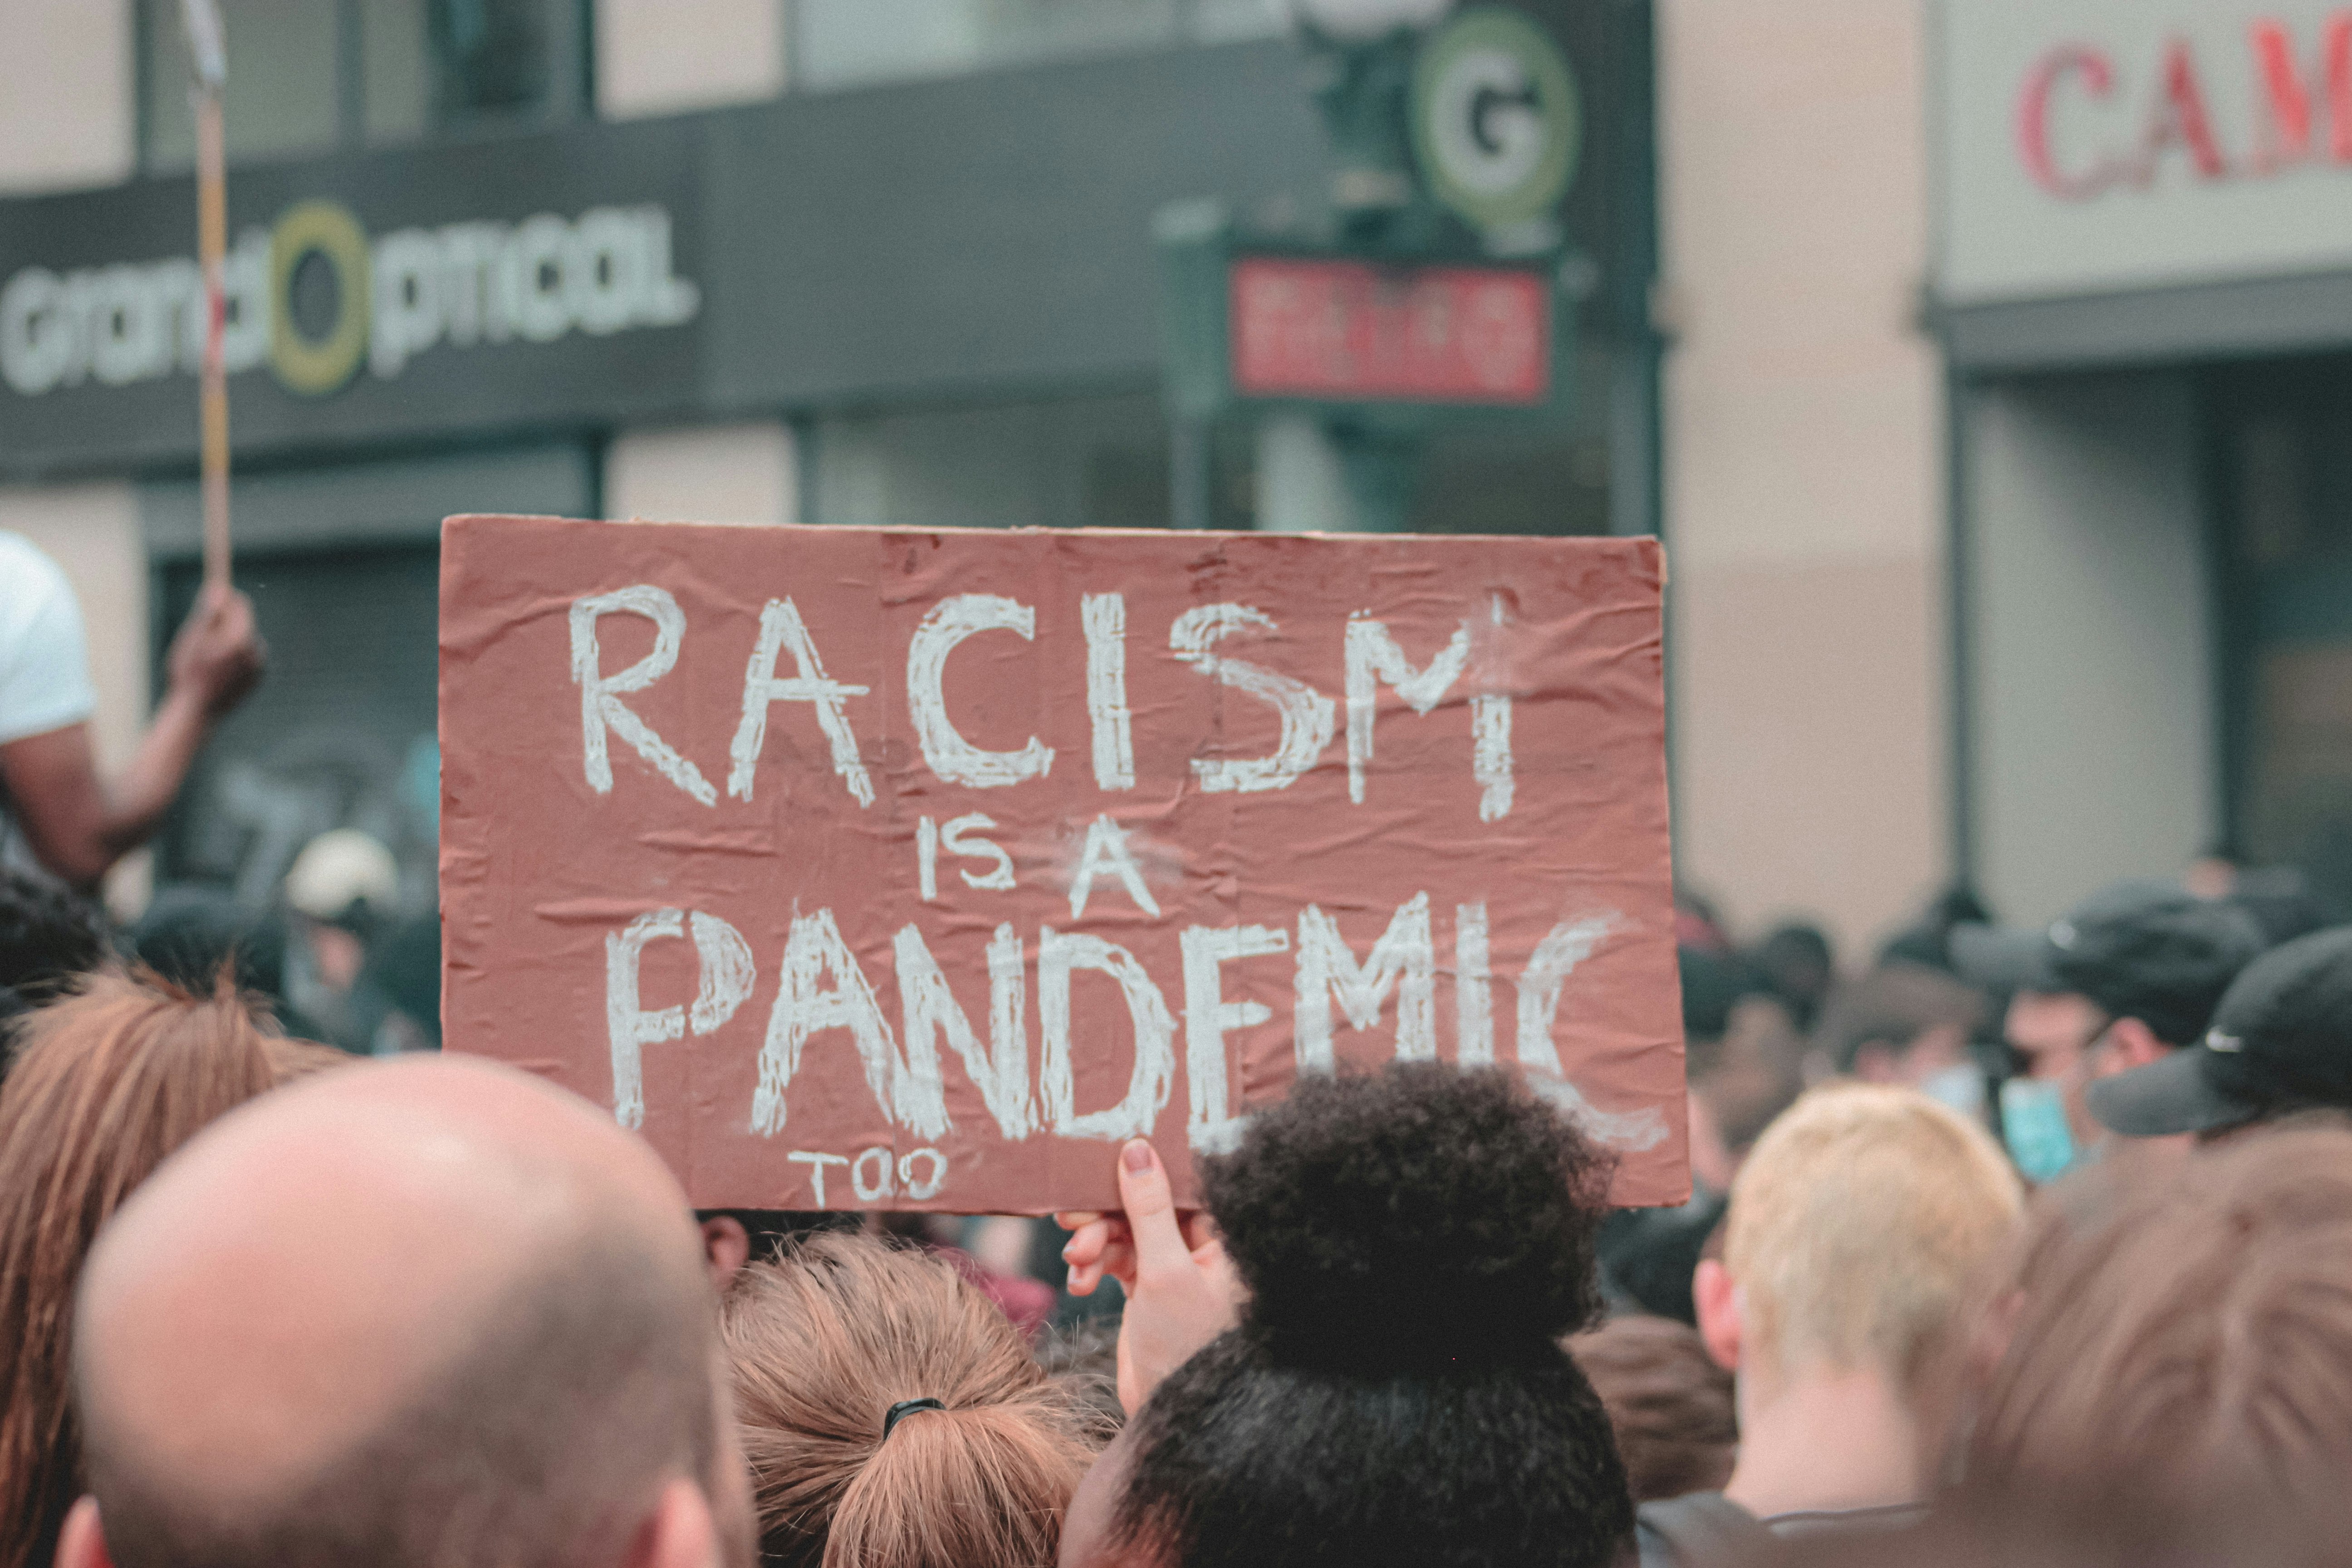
x: 43, y: 660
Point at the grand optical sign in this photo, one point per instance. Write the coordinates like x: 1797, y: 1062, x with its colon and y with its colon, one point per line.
x: 390, y: 298
x: 2093, y: 145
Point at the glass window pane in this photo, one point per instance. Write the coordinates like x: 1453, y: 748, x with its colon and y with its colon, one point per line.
x: 1073, y: 462
x: 281, y: 80
x: 841, y: 43
x: 395, y: 71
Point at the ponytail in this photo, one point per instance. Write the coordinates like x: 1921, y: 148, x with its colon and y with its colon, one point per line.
x: 977, y: 1468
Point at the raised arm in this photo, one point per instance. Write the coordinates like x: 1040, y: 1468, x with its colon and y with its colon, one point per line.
x: 78, y: 825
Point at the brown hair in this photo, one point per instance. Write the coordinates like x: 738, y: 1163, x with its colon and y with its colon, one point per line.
x: 824, y: 1340
x: 1668, y: 1403
x: 2193, y: 1347
x: 105, y: 1084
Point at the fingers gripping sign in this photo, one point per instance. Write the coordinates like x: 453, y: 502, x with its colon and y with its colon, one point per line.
x: 1180, y: 1288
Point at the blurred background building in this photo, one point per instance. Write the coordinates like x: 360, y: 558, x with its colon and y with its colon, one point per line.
x: 1973, y: 356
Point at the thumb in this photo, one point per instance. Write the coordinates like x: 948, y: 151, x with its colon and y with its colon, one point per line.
x: 1151, y: 1207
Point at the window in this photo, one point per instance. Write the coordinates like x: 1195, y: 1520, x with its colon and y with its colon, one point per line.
x: 309, y: 76
x: 847, y: 43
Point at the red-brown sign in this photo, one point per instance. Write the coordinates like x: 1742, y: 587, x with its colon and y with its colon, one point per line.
x: 1348, y: 330
x: 889, y: 868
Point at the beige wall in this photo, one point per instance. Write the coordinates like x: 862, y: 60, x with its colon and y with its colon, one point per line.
x: 64, y: 93
x: 663, y: 56
x: 2091, y: 638
x: 710, y: 473
x: 1803, y: 440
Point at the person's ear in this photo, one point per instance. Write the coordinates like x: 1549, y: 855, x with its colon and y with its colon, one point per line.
x: 82, y: 1542
x: 678, y: 1533
x: 2132, y: 1044
x: 1717, y: 1299
x: 726, y: 1246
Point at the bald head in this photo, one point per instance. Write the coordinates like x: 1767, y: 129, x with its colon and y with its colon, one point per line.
x: 432, y: 1309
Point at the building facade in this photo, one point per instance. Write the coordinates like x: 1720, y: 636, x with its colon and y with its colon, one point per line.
x: 847, y: 261
x: 2144, y: 281
x: 1981, y: 361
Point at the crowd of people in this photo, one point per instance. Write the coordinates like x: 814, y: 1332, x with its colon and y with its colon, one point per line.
x: 2016, y: 1244
x: 2013, y: 1245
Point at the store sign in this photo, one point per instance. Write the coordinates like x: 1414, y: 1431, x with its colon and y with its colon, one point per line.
x: 1355, y: 331
x: 1496, y: 120
x: 871, y: 868
x: 401, y: 294
x: 457, y: 289
x: 2101, y: 144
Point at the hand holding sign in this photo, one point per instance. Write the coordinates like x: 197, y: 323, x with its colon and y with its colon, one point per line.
x: 1181, y: 1291
x: 875, y: 869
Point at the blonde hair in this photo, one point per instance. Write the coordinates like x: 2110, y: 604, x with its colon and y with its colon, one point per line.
x: 105, y: 1084
x: 832, y: 1334
x: 1857, y: 1225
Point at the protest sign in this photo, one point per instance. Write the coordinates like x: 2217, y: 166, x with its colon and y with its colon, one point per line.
x: 883, y: 868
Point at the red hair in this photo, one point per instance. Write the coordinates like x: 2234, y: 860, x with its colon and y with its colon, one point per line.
x: 105, y: 1084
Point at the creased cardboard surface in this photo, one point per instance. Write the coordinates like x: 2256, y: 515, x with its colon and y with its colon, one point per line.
x: 737, y: 952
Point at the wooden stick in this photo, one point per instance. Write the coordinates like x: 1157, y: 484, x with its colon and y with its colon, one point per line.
x: 208, y: 56
x: 212, y: 249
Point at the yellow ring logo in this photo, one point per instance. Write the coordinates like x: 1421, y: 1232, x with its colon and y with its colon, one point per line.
x: 315, y: 367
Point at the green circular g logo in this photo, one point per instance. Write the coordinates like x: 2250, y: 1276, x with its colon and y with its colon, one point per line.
x: 315, y: 367
x: 1496, y: 123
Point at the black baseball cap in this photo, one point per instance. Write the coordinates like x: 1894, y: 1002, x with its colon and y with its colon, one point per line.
x: 2281, y: 1040
x: 2151, y: 951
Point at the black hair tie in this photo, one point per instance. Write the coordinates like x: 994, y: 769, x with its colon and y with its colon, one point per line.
x: 905, y: 1408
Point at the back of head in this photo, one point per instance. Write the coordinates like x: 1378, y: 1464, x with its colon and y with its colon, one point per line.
x: 49, y: 934
x: 189, y: 932
x: 1892, y: 1007
x: 1414, y: 1245
x: 826, y: 1342
x: 1669, y: 1404
x: 1856, y: 1227
x: 502, y: 1350
x: 108, y: 1082
x: 2190, y: 1353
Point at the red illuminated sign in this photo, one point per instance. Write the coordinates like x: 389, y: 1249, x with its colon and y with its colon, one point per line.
x: 1351, y: 331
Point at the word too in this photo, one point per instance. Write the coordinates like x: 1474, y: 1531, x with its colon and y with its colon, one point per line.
x: 870, y: 1173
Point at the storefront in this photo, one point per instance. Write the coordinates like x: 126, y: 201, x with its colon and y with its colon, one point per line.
x: 916, y: 282
x: 2144, y: 286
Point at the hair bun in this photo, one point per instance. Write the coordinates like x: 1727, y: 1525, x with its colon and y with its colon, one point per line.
x: 1423, y: 1215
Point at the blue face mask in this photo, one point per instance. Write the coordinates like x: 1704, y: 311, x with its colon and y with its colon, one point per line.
x: 1960, y: 1086
x: 2033, y: 1125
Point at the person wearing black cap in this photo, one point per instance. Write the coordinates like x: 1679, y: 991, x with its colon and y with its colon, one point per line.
x: 2281, y: 1043
x: 2121, y: 980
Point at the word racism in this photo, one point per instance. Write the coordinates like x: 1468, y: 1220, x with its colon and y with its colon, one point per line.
x: 606, y: 270
x: 776, y: 840
x: 2084, y: 129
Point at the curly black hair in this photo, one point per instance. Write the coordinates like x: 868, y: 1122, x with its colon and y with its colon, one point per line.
x: 1415, y: 1243
x: 49, y: 934
x: 1423, y: 1215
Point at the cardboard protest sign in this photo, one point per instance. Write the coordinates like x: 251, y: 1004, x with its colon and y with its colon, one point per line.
x: 871, y: 868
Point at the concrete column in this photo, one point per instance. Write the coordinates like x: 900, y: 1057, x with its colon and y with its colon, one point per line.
x: 2091, y: 638
x: 1302, y: 485
x: 664, y: 57
x: 1803, y: 462
x: 709, y: 473
x: 66, y: 115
